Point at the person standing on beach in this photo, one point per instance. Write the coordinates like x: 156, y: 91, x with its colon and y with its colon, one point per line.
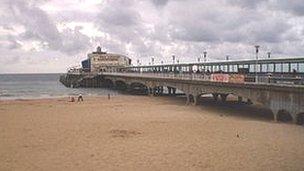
x: 72, y: 99
x: 80, y: 98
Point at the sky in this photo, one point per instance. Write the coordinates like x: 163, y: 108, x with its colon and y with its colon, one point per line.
x: 48, y: 36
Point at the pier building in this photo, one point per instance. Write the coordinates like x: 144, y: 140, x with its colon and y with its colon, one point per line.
x: 101, y: 61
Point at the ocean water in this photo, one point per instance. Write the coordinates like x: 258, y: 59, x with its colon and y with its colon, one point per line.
x: 36, y: 86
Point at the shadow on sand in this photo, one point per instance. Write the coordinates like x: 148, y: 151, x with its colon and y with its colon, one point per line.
x: 229, y: 108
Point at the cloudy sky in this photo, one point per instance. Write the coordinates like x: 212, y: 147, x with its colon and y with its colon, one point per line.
x: 50, y: 35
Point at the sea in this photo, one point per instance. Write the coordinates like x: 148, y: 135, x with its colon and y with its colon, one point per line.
x: 39, y: 86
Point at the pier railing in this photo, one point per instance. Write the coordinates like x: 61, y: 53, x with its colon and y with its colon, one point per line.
x: 209, y: 77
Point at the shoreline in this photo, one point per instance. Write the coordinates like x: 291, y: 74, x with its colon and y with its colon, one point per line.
x: 55, y: 97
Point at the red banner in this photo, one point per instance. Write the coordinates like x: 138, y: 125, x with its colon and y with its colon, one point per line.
x: 220, y: 78
x: 225, y: 78
x: 236, y: 78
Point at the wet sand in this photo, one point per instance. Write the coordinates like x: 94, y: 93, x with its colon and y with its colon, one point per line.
x: 144, y: 133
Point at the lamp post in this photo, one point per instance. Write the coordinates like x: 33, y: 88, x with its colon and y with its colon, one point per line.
x: 205, y: 56
x: 173, y: 58
x: 137, y: 62
x: 256, y: 62
x: 199, y: 59
x: 152, y: 60
x: 227, y: 58
x: 268, y: 54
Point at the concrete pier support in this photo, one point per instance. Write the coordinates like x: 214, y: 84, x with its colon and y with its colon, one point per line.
x: 174, y: 91
x: 191, y: 99
x: 150, y: 91
x: 249, y: 102
x: 275, y: 117
x: 215, y: 96
x: 195, y: 100
x: 154, y: 91
x: 240, y: 99
x: 188, y: 99
x: 161, y: 90
x: 169, y: 90
x: 224, y: 97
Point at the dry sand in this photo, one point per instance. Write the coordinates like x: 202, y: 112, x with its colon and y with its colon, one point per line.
x: 144, y: 133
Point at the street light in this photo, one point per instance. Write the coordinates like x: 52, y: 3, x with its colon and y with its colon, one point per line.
x: 268, y: 53
x: 205, y: 56
x: 227, y: 58
x: 173, y: 58
x: 256, y: 62
x: 137, y: 62
x: 152, y: 60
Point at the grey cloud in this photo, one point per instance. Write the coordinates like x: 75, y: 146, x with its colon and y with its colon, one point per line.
x: 118, y: 13
x: 9, y: 42
x: 159, y: 2
x: 159, y: 28
x: 39, y: 26
x: 247, y: 3
x: 36, y: 22
x: 295, y: 7
x: 73, y: 41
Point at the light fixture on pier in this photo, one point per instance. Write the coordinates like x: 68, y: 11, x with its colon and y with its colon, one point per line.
x: 173, y: 58
x: 256, y: 62
x: 205, y: 56
x: 268, y: 54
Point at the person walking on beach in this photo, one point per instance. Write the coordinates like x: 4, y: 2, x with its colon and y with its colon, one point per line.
x: 80, y: 98
x: 72, y: 99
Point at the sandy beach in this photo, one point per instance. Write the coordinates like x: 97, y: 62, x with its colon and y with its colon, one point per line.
x: 144, y: 133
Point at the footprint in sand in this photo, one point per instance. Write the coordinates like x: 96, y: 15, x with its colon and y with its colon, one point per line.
x: 123, y: 133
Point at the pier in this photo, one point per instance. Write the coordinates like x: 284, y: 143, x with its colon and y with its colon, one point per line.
x: 280, y: 90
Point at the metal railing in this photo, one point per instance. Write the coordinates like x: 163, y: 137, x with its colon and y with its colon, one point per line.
x: 207, y: 77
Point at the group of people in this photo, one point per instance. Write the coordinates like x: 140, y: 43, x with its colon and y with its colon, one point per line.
x: 79, y: 99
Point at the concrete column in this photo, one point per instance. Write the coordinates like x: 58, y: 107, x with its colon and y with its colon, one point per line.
x: 294, y: 118
x: 215, y: 96
x: 240, y: 99
x: 154, y: 91
x: 275, y: 117
x: 161, y: 90
x: 195, y: 99
x: 150, y: 91
x: 169, y: 90
x: 188, y: 99
x: 174, y: 91
x: 223, y: 97
x: 249, y: 102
